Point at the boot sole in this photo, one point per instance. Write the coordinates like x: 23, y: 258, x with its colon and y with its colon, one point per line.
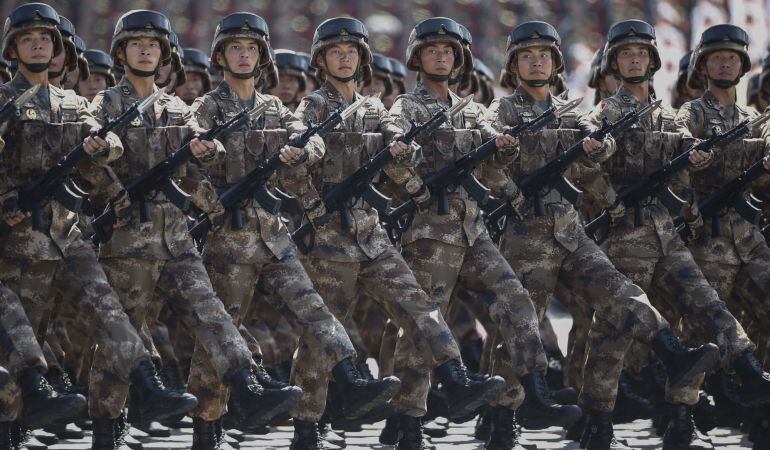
x: 708, y: 360
x: 538, y: 423
x: 153, y: 415
x: 262, y: 420
x: 383, y: 397
x: 460, y: 410
x: 59, y: 413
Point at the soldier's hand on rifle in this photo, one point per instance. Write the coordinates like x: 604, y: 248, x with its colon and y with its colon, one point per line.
x: 293, y: 156
x: 202, y: 149
x: 699, y: 158
x: 11, y: 212
x: 397, y: 148
x: 503, y: 140
x: 93, y: 144
x: 591, y: 145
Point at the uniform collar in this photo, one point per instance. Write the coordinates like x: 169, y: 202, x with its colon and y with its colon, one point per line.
x: 429, y: 97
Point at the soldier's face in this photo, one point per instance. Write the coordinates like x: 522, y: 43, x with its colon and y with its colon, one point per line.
x: 723, y: 65
x: 340, y: 60
x: 377, y: 86
x: 437, y: 58
x: 534, y: 63
x: 92, y: 86
x: 33, y: 47
x: 192, y: 88
x: 57, y: 63
x: 72, y: 79
x: 142, y: 53
x: 633, y: 60
x: 241, y: 55
x: 287, y: 89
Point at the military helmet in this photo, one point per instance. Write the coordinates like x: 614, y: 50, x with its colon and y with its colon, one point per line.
x: 5, y: 69
x: 467, y: 41
x: 101, y: 63
x: 718, y: 37
x: 337, y: 30
x: 269, y: 79
x: 80, y: 48
x: 381, y: 67
x: 532, y: 34
x: 67, y: 30
x: 436, y: 29
x: 398, y: 74
x: 31, y: 16
x: 752, y: 90
x: 630, y: 32
x: 483, y: 69
x: 177, y: 55
x: 197, y: 61
x: 139, y: 23
x: 596, y: 73
x: 243, y: 25
x: 288, y: 62
x: 763, y: 77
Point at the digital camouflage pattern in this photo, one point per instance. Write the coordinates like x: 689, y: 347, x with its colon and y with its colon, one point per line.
x: 261, y: 255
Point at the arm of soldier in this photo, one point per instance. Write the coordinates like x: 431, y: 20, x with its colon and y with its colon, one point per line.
x: 203, y: 194
x: 102, y: 151
x: 500, y: 116
x: 504, y: 142
x: 690, y: 122
x: 314, y: 150
x: 403, y: 169
x: 596, y: 151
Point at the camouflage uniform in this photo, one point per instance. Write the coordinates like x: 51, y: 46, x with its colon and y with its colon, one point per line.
x: 652, y: 255
x: 344, y: 264
x: 261, y: 255
x: 143, y: 257
x: 51, y: 124
x: 544, y: 250
x: 737, y: 263
x: 455, y: 249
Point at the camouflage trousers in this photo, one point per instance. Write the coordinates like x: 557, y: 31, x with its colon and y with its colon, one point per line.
x: 482, y: 270
x: 186, y: 285
x: 119, y: 348
x: 577, y: 343
x: 281, y: 282
x: 20, y: 350
x: 424, y: 339
x: 654, y: 258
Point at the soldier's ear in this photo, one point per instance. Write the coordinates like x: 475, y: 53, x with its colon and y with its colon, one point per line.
x: 220, y: 58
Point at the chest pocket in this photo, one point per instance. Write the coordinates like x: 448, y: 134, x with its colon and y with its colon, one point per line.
x: 272, y: 119
x: 728, y: 163
x: 345, y: 152
x: 537, y: 149
x: 173, y: 116
x: 371, y: 121
x: 40, y: 145
x: 641, y: 152
x: 447, y: 146
x: 245, y: 150
x: 146, y: 147
x: 69, y: 111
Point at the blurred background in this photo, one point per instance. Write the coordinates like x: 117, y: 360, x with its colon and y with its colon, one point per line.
x: 582, y: 24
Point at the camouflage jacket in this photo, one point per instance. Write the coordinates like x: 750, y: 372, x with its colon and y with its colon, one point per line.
x: 50, y: 125
x: 696, y: 120
x: 347, y: 148
x: 535, y: 150
x: 246, y: 149
x: 147, y: 141
x: 467, y: 130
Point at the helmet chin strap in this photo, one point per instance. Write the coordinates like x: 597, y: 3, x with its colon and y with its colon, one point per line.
x: 636, y: 80
x: 724, y: 84
x: 57, y: 74
x: 434, y: 77
x: 256, y: 73
x: 537, y: 83
x: 142, y: 73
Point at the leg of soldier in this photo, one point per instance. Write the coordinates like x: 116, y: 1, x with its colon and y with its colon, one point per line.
x: 371, y: 324
x: 578, y: 334
x: 259, y: 326
x: 253, y: 342
x: 20, y: 345
x: 388, y: 348
x: 32, y: 281
x: 354, y: 333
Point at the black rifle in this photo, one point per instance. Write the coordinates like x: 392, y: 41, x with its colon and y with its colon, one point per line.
x: 539, y: 183
x: 55, y: 184
x: 461, y: 174
x: 253, y: 184
x: 359, y: 184
x: 729, y: 196
x: 654, y: 184
x: 159, y: 177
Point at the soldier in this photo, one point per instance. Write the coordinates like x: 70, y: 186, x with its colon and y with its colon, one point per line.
x: 101, y: 76
x: 344, y: 263
x: 763, y: 88
x: 486, y: 92
x: 380, y: 82
x: 33, y: 260
x: 731, y: 252
x: 198, y: 80
x: 313, y: 82
x: 66, y: 61
x: 683, y: 93
x: 454, y: 249
x: 292, y: 81
x: 652, y: 254
x: 82, y: 72
x: 5, y: 70
x: 604, y: 85
x: 159, y: 255
x: 548, y: 246
x: 261, y: 255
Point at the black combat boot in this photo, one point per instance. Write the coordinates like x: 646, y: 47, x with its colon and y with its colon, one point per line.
x: 264, y: 378
x: 150, y: 399
x: 253, y: 406
x: 504, y: 434
x: 682, y: 363
x: 306, y: 437
x: 681, y: 434
x: 539, y: 409
x: 389, y: 433
x: 629, y: 405
x: 564, y: 396
x: 359, y: 396
x: 105, y: 435
x: 410, y: 434
x: 43, y: 405
x: 704, y: 413
x: 598, y: 434
x: 5, y: 436
x: 330, y: 436
x: 575, y: 432
x: 204, y: 435
x: 760, y: 430
x: 465, y: 396
x: 483, y: 424
x: 755, y: 382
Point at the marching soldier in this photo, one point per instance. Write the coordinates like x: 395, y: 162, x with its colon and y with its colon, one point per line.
x: 683, y: 93
x: 197, y: 78
x: 380, y: 82
x: 101, y: 76
x: 604, y: 85
x: 398, y: 77
x: 345, y: 263
x: 292, y: 81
